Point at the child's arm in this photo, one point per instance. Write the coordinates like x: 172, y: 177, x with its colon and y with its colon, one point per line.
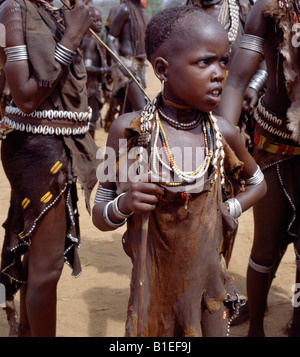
x: 111, y: 210
x: 253, y: 191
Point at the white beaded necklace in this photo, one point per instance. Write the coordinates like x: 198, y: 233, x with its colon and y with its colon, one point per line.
x: 147, y: 118
x: 191, y: 176
x: 188, y: 176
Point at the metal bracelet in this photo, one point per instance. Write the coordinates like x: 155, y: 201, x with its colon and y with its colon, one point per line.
x: 258, y: 80
x: 16, y: 53
x: 256, y: 179
x: 117, y: 212
x: 235, y: 209
x: 104, y: 194
x: 63, y: 54
x: 108, y: 220
x: 253, y: 43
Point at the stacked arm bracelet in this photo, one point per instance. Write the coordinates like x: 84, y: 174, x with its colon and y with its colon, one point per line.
x: 111, y: 198
x: 252, y: 43
x: 258, y: 80
x: 16, y: 53
x: 19, y: 53
x: 63, y: 54
x: 107, y: 219
x: 104, y: 194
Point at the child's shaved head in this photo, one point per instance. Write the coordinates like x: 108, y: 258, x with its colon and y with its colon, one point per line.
x: 172, y: 23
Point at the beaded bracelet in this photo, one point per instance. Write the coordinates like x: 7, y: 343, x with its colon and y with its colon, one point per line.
x: 63, y: 54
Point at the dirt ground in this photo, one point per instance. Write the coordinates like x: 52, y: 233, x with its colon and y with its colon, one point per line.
x: 95, y: 304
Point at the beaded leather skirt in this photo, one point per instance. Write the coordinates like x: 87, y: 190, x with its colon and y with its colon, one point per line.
x: 276, y: 151
x: 40, y: 171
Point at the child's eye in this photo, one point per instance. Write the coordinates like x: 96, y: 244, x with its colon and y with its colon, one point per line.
x: 224, y: 62
x: 203, y: 62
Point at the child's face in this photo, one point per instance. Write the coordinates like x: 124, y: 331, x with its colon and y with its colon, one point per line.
x: 97, y: 21
x: 196, y: 74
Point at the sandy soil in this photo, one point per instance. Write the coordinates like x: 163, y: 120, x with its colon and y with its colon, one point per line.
x: 95, y: 304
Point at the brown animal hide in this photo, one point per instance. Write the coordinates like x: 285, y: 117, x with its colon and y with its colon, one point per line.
x: 185, y: 270
x: 289, y: 49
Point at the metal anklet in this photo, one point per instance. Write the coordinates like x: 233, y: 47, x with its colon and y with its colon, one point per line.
x: 260, y: 268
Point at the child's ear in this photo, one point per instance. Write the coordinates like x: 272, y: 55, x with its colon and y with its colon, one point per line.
x: 160, y: 67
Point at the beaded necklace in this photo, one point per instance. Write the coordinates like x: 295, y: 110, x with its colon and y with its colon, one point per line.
x: 149, y: 117
x: 181, y: 126
x: 185, y: 177
x: 230, y: 11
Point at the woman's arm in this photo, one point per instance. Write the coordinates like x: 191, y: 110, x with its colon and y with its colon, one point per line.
x: 244, y: 64
x: 25, y: 91
x: 89, y: 53
x: 117, y: 25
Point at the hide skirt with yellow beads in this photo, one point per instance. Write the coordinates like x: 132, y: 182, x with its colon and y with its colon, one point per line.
x: 40, y: 170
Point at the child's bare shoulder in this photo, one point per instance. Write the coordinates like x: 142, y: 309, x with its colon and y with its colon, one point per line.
x: 227, y: 129
x: 116, y: 131
x: 232, y: 136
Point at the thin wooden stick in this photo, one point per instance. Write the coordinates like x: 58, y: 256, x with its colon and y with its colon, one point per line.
x: 142, y: 254
x: 142, y: 248
x: 119, y: 60
x: 113, y: 54
x: 1, y: 112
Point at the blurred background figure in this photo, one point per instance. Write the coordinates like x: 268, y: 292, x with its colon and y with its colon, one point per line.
x: 126, y: 38
x: 97, y: 69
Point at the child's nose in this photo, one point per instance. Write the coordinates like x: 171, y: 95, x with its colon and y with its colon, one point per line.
x: 218, y: 74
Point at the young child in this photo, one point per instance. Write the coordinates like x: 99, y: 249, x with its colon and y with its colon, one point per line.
x: 179, y: 285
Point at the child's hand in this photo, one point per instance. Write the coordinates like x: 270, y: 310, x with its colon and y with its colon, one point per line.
x: 250, y: 101
x: 143, y: 194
